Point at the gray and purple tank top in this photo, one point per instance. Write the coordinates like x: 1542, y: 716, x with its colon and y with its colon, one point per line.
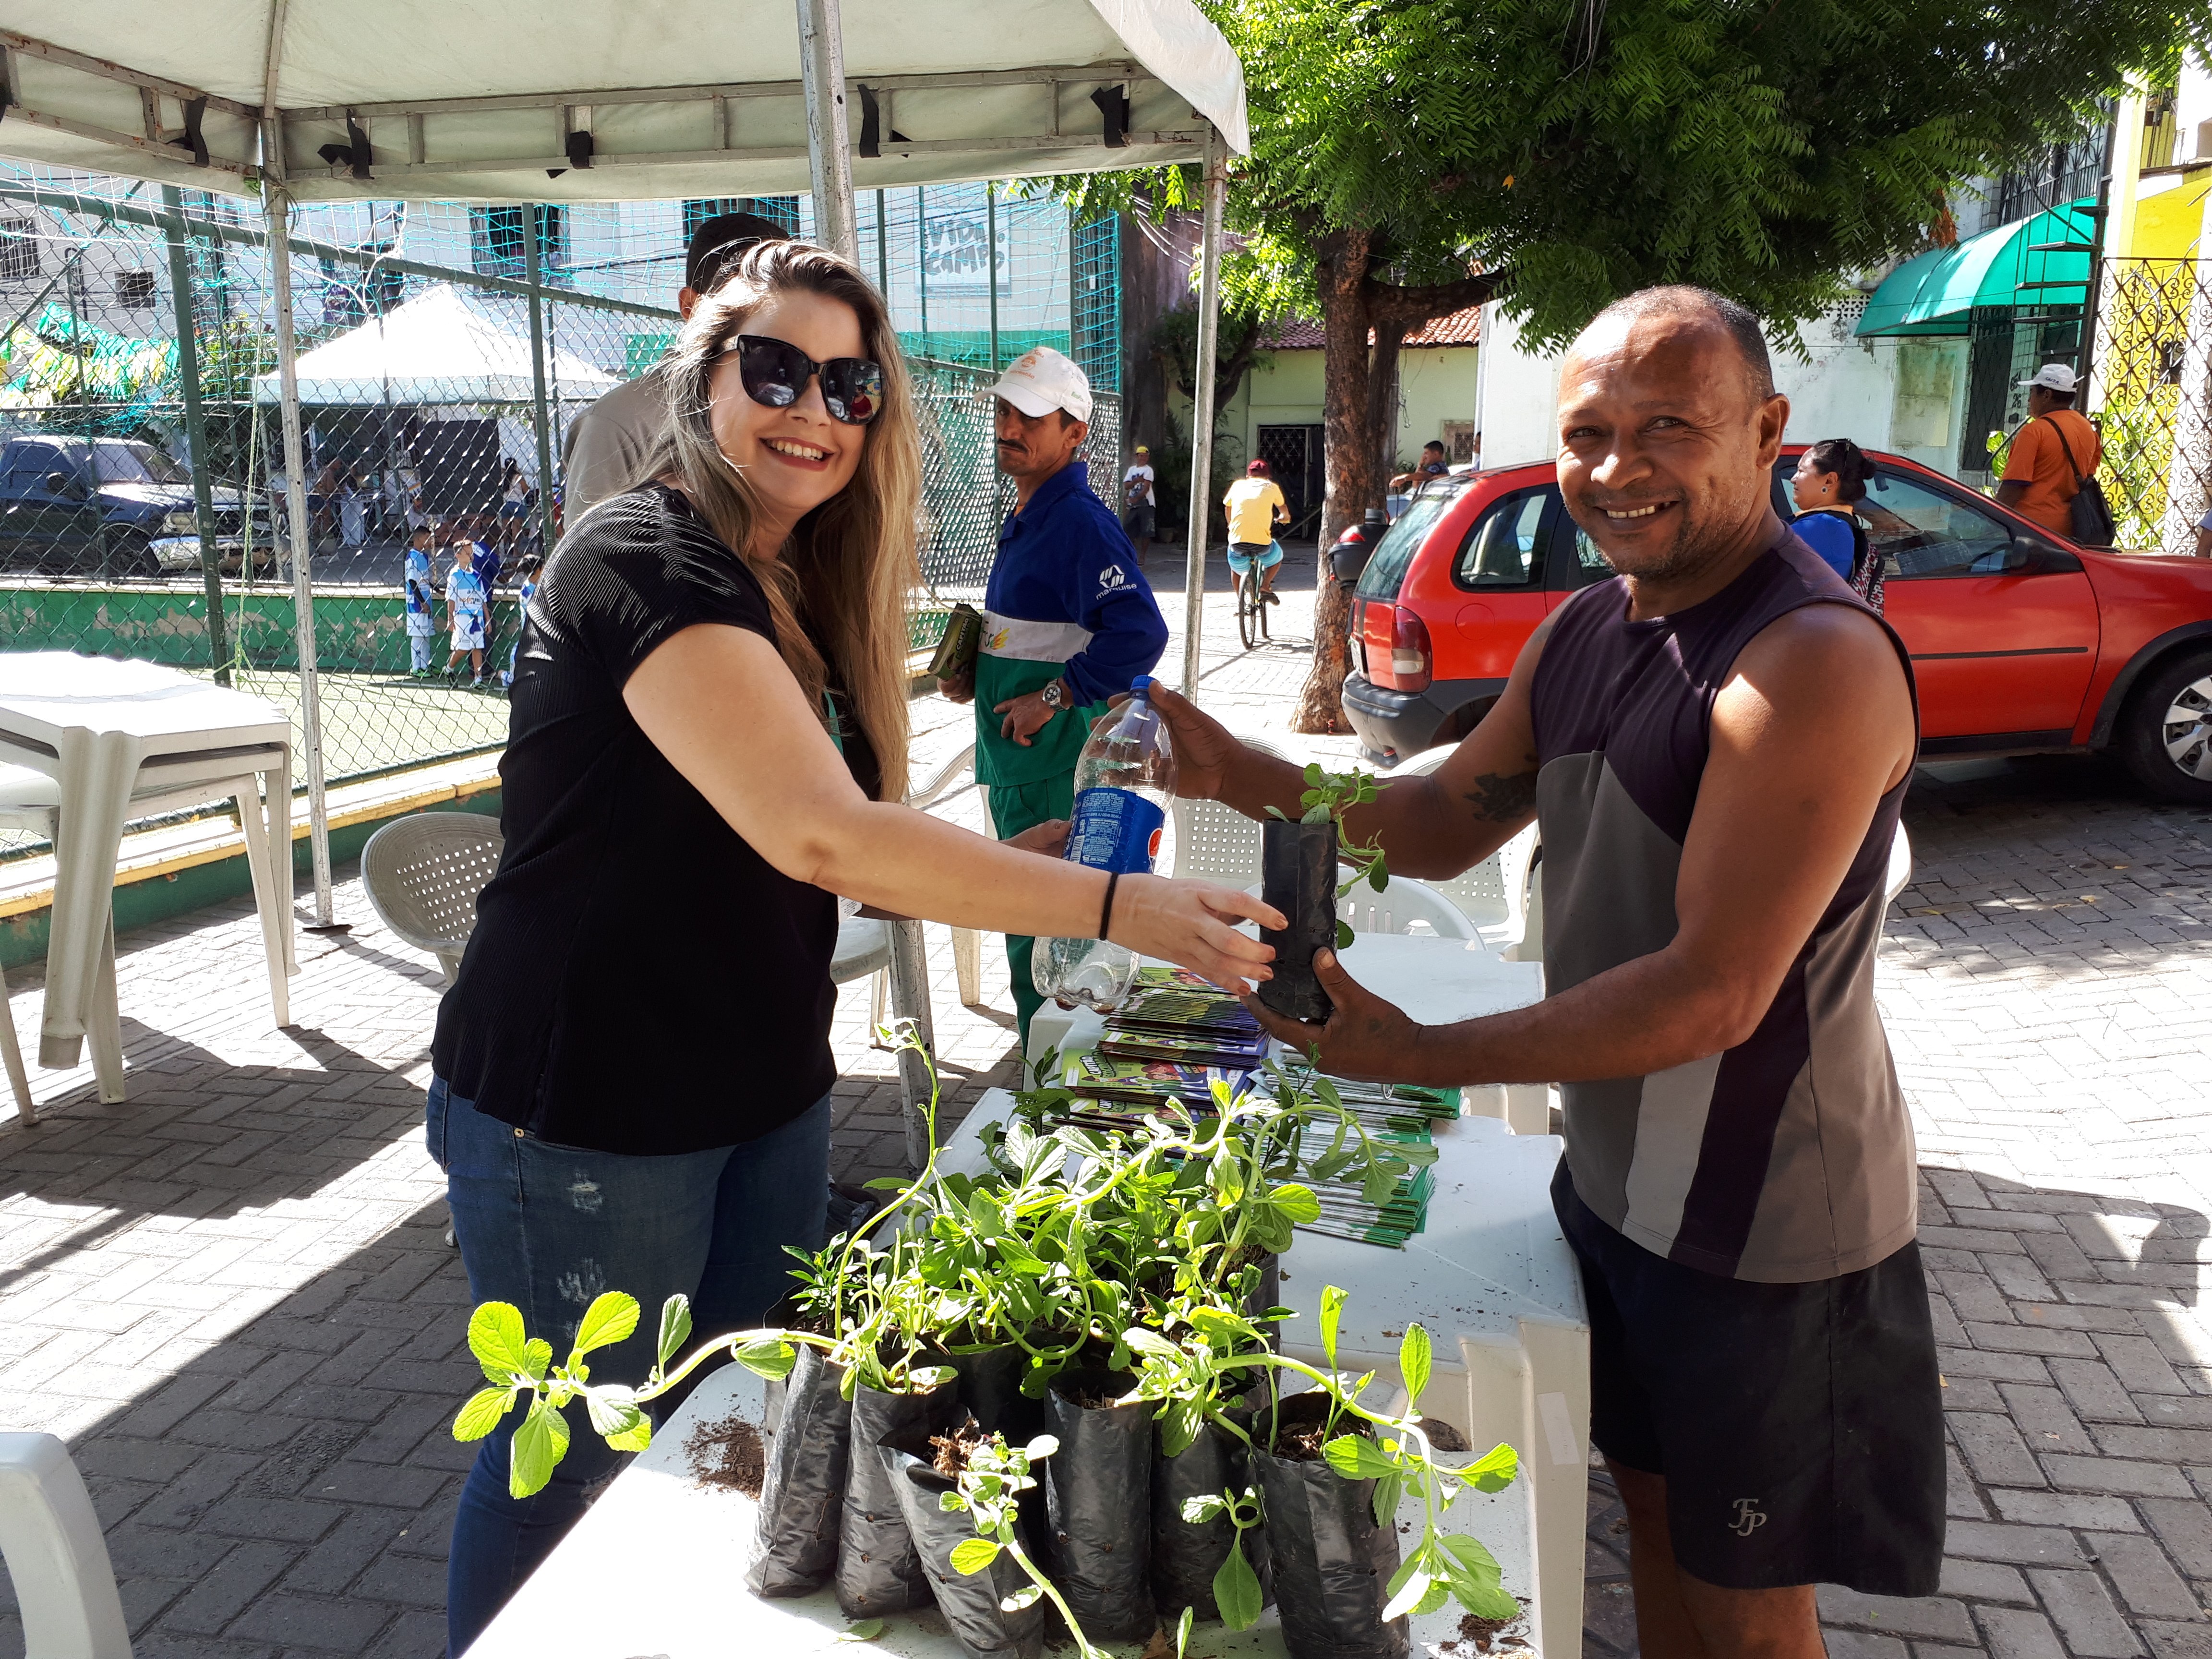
x: 1789, y: 1158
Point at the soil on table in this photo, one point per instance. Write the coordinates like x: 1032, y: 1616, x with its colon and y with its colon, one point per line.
x: 954, y: 1450
x: 727, y: 1456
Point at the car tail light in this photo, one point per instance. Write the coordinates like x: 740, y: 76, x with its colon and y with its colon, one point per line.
x: 1408, y: 664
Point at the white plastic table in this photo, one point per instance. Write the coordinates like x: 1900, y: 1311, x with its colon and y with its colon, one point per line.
x: 1491, y: 1278
x: 89, y: 741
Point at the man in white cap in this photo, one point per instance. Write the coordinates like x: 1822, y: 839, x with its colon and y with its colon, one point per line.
x: 1068, y: 619
x: 2055, y: 449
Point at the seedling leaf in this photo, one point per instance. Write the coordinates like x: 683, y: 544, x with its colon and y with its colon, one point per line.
x: 539, y: 1444
x: 496, y: 1338
x: 1236, y: 1589
x: 771, y: 1358
x: 481, y: 1415
x: 1356, y: 1457
x: 1413, y: 1357
x: 610, y: 1318
x: 1494, y: 1470
x: 972, y: 1555
x: 1332, y: 1312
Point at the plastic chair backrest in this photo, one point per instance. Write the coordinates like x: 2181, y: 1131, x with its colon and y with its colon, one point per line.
x: 422, y: 874
x: 1216, y: 841
x: 56, y: 1557
x: 1493, y: 895
x: 1401, y: 905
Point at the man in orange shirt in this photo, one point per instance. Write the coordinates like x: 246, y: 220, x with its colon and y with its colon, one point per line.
x: 2039, y: 481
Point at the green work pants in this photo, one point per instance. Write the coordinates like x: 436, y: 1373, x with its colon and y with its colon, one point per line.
x: 1016, y: 808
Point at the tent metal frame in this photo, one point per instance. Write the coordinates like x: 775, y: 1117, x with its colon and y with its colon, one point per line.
x: 823, y: 86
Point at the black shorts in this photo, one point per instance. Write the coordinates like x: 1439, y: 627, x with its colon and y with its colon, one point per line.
x: 1800, y: 1427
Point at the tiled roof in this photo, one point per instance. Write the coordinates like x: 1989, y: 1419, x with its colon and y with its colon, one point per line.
x: 1461, y: 328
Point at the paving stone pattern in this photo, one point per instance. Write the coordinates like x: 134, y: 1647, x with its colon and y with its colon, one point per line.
x: 232, y: 1296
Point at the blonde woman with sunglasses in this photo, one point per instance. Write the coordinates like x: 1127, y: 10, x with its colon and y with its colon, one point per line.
x: 632, y: 1075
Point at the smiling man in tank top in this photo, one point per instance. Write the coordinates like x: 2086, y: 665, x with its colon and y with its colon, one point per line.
x: 1717, y: 743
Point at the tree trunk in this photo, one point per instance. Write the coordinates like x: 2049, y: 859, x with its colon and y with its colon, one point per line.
x: 1340, y: 275
x: 1383, y: 407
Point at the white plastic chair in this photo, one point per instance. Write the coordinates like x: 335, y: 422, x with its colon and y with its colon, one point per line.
x: 422, y: 874
x: 56, y: 1557
x: 1494, y: 893
x: 1404, y: 906
x: 1215, y: 841
x: 966, y: 943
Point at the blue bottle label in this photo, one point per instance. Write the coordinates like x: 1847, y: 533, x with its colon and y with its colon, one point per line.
x: 1116, y: 829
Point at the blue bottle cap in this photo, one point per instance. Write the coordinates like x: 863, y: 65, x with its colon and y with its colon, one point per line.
x: 1141, y: 685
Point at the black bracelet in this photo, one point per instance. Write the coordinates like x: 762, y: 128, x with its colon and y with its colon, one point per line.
x: 1106, y: 910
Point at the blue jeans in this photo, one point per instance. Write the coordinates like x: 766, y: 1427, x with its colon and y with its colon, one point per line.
x: 548, y: 1228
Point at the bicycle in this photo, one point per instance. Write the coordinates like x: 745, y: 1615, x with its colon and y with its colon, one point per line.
x: 1251, y: 606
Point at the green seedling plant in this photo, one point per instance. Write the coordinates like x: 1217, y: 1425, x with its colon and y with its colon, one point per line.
x: 1330, y: 795
x: 1236, y: 1586
x: 989, y: 1489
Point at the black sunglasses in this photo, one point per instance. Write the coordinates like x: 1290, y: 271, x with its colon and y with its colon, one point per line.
x: 775, y: 372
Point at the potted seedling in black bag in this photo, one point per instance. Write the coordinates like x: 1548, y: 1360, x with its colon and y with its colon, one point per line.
x: 1298, y: 864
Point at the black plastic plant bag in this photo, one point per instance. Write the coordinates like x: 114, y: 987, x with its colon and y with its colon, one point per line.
x: 1298, y: 876
x: 1187, y: 1554
x: 878, y: 1570
x: 803, y: 1485
x: 1332, y: 1564
x: 969, y: 1602
x: 991, y: 1389
x: 1099, y: 1498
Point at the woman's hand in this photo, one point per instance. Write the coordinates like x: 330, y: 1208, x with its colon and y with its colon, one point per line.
x: 1194, y: 923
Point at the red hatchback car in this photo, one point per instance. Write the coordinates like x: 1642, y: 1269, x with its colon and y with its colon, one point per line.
x: 2021, y: 641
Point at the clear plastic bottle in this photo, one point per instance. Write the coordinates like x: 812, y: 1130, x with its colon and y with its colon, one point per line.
x: 1123, y: 784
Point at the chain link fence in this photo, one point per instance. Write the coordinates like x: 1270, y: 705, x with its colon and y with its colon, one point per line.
x: 444, y: 351
x: 2152, y: 391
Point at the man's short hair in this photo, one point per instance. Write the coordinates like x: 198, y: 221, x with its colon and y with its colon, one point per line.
x: 1685, y: 299
x: 2063, y: 399
x: 1436, y: 444
x: 719, y: 242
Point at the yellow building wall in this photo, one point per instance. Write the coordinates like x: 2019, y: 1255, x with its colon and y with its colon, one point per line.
x: 2167, y: 224
x: 1434, y: 385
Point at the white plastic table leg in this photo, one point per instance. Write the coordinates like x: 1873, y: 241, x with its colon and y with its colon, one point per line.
x: 98, y: 770
x: 104, y: 1027
x: 56, y: 1558
x: 276, y: 915
x: 11, y: 1055
x: 1534, y: 1394
x: 280, y: 846
x: 968, y: 965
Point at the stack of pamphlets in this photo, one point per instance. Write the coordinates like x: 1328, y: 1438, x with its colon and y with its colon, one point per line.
x: 1177, y: 1035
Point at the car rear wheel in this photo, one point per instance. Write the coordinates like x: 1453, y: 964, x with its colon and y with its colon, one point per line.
x: 2167, y: 740
x: 132, y: 553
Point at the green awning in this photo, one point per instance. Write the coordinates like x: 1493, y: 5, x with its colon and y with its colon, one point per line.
x: 1935, y: 292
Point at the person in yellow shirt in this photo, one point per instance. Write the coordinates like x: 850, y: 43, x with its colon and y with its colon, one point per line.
x: 1255, y: 506
x: 2056, y: 447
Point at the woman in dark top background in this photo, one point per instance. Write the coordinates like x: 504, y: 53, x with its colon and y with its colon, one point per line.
x: 1831, y: 475
x: 632, y: 1073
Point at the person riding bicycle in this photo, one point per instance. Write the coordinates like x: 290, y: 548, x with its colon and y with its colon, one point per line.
x: 1255, y: 506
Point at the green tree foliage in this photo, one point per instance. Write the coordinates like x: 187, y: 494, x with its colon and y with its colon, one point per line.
x: 1411, y: 158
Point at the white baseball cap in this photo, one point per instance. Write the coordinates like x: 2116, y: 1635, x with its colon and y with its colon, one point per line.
x: 1041, y: 380
x: 2055, y: 376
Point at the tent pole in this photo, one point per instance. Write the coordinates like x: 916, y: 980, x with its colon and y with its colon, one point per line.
x: 1202, y: 412
x: 537, y: 392
x: 991, y: 265
x: 829, y: 152
x: 188, y: 372
x: 277, y: 205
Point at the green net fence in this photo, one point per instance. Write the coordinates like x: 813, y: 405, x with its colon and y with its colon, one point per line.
x: 445, y: 349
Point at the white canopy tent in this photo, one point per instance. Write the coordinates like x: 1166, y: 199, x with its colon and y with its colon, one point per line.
x: 512, y: 101
x: 437, y: 348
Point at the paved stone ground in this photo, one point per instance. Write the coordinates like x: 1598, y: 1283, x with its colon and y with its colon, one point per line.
x: 230, y: 1294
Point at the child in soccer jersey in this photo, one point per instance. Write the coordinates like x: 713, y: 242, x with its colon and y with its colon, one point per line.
x: 468, y: 610
x: 420, y: 590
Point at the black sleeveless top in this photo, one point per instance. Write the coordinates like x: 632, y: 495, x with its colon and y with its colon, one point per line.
x: 1789, y: 1158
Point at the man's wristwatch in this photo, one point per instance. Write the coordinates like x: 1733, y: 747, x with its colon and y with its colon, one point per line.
x: 1054, y: 694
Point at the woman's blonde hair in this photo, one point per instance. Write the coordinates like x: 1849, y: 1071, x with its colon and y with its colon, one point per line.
x: 838, y: 592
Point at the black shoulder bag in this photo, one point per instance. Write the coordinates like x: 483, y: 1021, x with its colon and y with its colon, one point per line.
x: 2090, y: 513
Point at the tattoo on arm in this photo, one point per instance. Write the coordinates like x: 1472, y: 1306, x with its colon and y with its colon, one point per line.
x: 1499, y: 798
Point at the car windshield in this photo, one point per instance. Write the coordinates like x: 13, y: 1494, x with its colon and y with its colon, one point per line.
x: 1386, y: 566
x: 135, y: 463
